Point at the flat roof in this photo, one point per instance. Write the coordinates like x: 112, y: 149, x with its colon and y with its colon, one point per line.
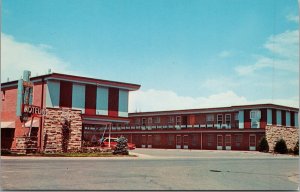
x: 213, y: 110
x: 78, y: 79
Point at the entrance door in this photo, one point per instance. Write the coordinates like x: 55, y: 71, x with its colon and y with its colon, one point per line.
x: 219, y: 142
x: 228, y: 142
x: 252, y: 142
x: 185, y: 142
x: 149, y: 142
x: 178, y: 141
x: 144, y: 141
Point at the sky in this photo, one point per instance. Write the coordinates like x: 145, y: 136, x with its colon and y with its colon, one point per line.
x: 184, y: 53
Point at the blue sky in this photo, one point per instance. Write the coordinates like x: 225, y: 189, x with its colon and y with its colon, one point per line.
x: 184, y: 53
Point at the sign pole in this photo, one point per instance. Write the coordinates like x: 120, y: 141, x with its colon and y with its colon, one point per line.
x: 109, y: 135
x: 30, y: 126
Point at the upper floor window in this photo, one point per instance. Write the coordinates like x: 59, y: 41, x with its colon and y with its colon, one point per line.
x: 255, y: 114
x: 178, y: 120
x: 227, y: 119
x: 137, y: 121
x: 149, y: 120
x: 171, y: 119
x: 157, y: 120
x: 209, y: 118
x: 143, y: 121
x: 219, y: 119
x: 3, y: 95
x: 236, y: 116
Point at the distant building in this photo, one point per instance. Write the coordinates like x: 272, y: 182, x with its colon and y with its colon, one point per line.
x: 224, y: 128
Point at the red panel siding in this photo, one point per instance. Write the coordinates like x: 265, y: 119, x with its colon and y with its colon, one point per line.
x: 263, y: 120
x: 292, y: 118
x: 113, y: 102
x: 283, y: 118
x: 247, y: 121
x: 90, y: 99
x: 65, y: 95
x: 274, y: 117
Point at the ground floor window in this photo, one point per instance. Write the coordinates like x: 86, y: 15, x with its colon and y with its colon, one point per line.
x: 238, y: 140
x: 195, y: 139
x: 170, y: 139
x: 210, y: 140
x: 157, y: 139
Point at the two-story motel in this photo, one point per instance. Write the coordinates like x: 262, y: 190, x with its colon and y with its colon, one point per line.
x: 101, y: 103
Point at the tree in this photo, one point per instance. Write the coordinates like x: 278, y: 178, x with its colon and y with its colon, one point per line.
x: 296, y: 148
x: 121, y: 147
x: 263, y: 145
x: 280, y: 147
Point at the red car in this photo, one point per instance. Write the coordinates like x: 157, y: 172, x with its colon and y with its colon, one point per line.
x: 113, y: 143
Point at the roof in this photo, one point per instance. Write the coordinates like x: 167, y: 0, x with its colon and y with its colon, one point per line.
x: 77, y: 79
x: 214, y: 110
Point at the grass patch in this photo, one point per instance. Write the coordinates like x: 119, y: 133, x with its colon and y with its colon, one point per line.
x: 98, y: 154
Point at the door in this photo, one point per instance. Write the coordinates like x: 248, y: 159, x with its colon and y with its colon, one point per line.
x: 228, y: 142
x: 219, y: 142
x: 252, y: 142
x: 144, y: 141
x: 185, y: 142
x: 149, y: 142
x: 178, y: 141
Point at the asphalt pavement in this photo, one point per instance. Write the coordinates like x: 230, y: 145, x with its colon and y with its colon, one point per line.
x: 154, y: 169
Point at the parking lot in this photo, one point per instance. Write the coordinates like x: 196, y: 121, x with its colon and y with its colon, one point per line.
x: 154, y: 169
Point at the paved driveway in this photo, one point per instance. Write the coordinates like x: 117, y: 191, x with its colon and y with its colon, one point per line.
x: 154, y: 170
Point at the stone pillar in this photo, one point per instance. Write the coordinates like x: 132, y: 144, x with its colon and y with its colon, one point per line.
x: 53, y: 124
x: 289, y: 134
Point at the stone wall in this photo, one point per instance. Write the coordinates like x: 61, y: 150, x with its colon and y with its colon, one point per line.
x: 289, y: 134
x: 53, y: 126
x: 25, y: 144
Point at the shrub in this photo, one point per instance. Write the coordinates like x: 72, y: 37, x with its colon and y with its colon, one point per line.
x: 121, y: 147
x: 296, y: 148
x: 263, y: 145
x: 280, y: 147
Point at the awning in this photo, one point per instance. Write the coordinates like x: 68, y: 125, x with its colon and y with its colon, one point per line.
x: 35, y: 123
x: 8, y: 124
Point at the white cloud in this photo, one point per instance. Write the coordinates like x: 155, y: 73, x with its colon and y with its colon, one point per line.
x: 293, y: 18
x: 18, y: 56
x: 225, y: 54
x: 159, y: 100
x: 284, y: 48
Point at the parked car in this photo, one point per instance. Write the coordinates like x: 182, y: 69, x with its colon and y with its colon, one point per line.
x: 113, y: 143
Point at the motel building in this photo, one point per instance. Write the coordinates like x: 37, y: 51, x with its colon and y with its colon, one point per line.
x: 37, y: 111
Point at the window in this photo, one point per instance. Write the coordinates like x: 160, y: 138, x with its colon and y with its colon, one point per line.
x: 137, y: 121
x: 171, y: 119
x: 236, y: 116
x: 157, y: 120
x: 210, y: 139
x: 269, y: 116
x: 288, y: 119
x: 3, y: 95
x: 238, y: 140
x: 228, y: 119
x: 149, y: 120
x: 278, y: 117
x: 194, y: 139
x: 144, y: 121
x: 178, y: 120
x: 157, y: 139
x: 255, y: 114
x: 219, y: 119
x: 210, y: 118
x: 170, y: 139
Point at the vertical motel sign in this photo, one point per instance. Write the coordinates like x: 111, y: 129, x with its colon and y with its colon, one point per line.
x: 25, y: 88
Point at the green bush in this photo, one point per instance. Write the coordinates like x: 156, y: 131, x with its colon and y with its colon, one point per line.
x: 296, y: 148
x: 263, y: 145
x: 121, y: 148
x: 280, y: 147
